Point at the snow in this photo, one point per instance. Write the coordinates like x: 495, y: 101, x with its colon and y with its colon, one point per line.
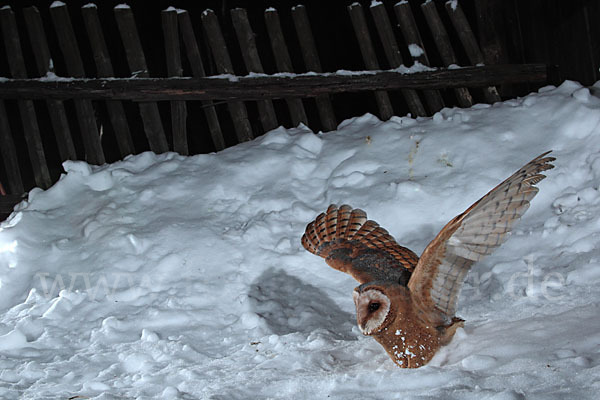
x: 122, y: 7
x: 52, y: 77
x: 57, y: 4
x: 415, y: 50
x: 453, y: 4
x: 163, y: 276
x: 89, y: 5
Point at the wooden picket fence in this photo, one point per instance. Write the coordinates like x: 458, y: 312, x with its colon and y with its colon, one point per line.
x: 419, y: 90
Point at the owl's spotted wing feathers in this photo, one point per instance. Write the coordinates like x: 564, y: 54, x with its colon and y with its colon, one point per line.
x: 351, y: 243
x: 472, y: 235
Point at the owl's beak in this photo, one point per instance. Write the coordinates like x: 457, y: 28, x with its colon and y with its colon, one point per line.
x: 361, y: 322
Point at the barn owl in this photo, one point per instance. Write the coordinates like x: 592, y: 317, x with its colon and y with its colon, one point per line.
x: 405, y: 302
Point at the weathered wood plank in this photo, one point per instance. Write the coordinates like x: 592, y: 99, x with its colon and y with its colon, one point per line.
x: 467, y: 38
x: 193, y: 54
x: 218, y: 47
x: 411, y: 34
x: 312, y: 63
x: 31, y: 130
x: 86, y: 115
x: 104, y: 68
x: 9, y: 154
x: 137, y: 65
x: 368, y: 54
x: 44, y: 63
x: 444, y: 47
x: 245, y: 36
x: 269, y: 87
x: 174, y: 69
x: 283, y: 62
x: 392, y: 52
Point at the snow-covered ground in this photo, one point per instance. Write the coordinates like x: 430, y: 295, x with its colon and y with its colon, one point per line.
x: 164, y: 276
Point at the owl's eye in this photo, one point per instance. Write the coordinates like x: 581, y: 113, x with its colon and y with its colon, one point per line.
x: 374, y: 307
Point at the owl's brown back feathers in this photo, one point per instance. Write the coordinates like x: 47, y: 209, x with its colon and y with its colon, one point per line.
x: 360, y: 247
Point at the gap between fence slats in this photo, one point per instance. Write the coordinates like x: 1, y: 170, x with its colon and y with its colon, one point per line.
x: 137, y: 65
x: 312, y: 63
x: 218, y: 47
x: 174, y: 69
x: 31, y: 129
x: 104, y: 69
x: 444, y: 47
x: 283, y: 63
x: 44, y: 63
x: 247, y: 42
x: 9, y: 154
x: 370, y: 59
x: 392, y: 52
x: 467, y: 38
x: 193, y: 54
x: 411, y: 34
x: 83, y: 108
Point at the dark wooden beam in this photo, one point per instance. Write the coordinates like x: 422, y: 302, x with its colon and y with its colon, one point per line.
x: 270, y: 86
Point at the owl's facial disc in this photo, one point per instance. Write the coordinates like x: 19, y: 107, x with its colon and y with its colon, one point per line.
x: 372, y: 307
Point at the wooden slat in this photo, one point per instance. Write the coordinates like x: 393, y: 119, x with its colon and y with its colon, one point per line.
x: 137, y: 65
x: 9, y: 154
x: 8, y: 203
x: 104, y: 68
x: 368, y: 54
x: 56, y: 108
x: 31, y: 130
x: 411, y: 34
x: 444, y: 47
x: 193, y: 54
x: 312, y: 63
x: 283, y: 63
x: 392, y: 52
x: 271, y: 87
x: 467, y: 38
x: 218, y: 47
x: 245, y: 36
x: 174, y: 69
x: 84, y: 109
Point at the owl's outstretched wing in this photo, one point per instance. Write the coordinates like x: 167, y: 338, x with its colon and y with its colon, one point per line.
x: 470, y: 236
x: 350, y: 243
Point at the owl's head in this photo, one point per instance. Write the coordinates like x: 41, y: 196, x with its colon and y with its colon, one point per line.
x: 372, y: 308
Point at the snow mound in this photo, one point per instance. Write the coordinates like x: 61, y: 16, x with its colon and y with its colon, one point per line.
x: 162, y: 276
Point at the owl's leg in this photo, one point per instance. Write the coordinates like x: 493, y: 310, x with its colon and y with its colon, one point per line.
x: 449, y: 330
